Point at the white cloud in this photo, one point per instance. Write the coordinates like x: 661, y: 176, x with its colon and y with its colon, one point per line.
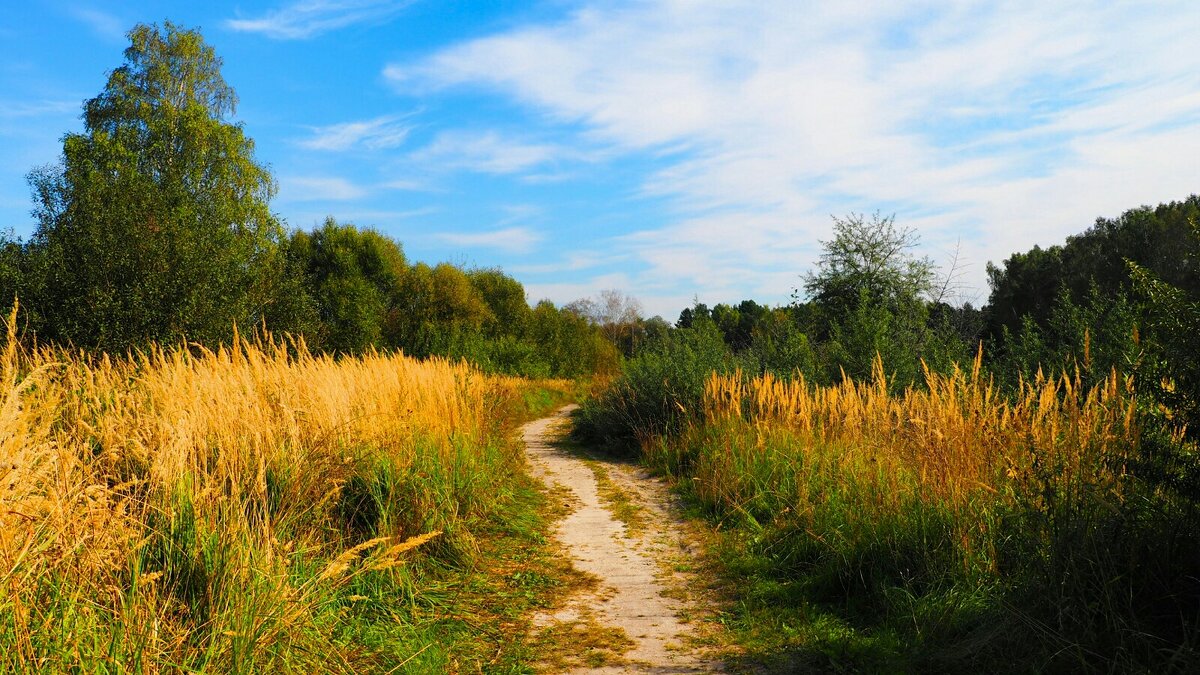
x: 572, y: 262
x: 106, y: 26
x: 564, y: 292
x: 374, y: 134
x: 410, y: 185
x: 550, y: 177
x: 486, y: 152
x: 21, y: 109
x: 515, y: 213
x: 365, y: 217
x: 1004, y: 124
x: 307, y: 18
x: 317, y: 188
x: 508, y: 239
x: 665, y: 305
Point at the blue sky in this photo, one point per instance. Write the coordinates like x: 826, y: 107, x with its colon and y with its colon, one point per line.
x: 665, y: 148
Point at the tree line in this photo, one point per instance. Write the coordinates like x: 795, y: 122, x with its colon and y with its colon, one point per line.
x: 1123, y: 295
x: 155, y: 227
x: 911, y: 508
x: 1092, y: 540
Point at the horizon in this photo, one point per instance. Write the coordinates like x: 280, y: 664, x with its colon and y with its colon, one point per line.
x: 667, y: 151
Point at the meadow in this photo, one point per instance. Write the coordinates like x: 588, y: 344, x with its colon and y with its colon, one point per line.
x: 254, y: 508
x: 947, y: 525
x: 175, y: 496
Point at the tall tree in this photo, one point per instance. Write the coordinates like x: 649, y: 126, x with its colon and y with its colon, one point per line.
x: 870, y: 295
x: 354, y: 277
x: 1157, y: 239
x: 155, y: 225
x: 1170, y: 368
x: 872, y: 259
x: 618, y: 315
x: 505, y: 297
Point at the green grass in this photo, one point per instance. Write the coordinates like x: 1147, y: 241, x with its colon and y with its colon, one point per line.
x: 947, y: 528
x: 828, y: 565
x: 461, y: 606
x: 781, y: 620
x: 470, y: 611
x: 540, y: 400
x: 623, y: 506
x: 471, y: 618
x: 247, y: 583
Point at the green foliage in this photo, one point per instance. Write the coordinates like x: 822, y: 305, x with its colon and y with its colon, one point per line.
x: 780, y: 347
x: 570, y: 343
x: 738, y: 324
x: 1093, y: 336
x: 1059, y: 580
x: 366, y: 296
x: 509, y: 313
x: 353, y: 277
x: 690, y: 316
x: 869, y: 261
x: 658, y: 390
x: 1020, y: 288
x: 1170, y: 366
x: 454, y: 300
x: 1105, y: 579
x: 871, y: 328
x: 1069, y: 575
x: 14, y: 272
x: 1157, y: 239
x: 869, y: 296
x: 155, y: 226
x: 436, y: 305
x: 617, y: 315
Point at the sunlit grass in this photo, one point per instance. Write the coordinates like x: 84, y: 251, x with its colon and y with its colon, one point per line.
x: 252, y: 508
x: 942, y: 526
x: 954, y: 441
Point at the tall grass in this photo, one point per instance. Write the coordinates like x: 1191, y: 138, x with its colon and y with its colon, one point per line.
x: 946, y: 526
x: 955, y: 441
x: 245, y: 509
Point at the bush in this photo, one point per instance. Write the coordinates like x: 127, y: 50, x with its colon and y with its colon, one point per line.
x: 658, y: 391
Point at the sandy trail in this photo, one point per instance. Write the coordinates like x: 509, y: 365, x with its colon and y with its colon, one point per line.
x: 634, y: 570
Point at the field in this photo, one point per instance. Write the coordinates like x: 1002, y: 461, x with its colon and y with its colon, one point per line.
x: 234, y: 438
x: 939, y: 527
x: 254, y: 508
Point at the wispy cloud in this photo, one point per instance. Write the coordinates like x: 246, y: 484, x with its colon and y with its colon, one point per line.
x: 410, y: 185
x: 486, y: 152
x: 105, y: 25
x: 35, y: 109
x: 317, y: 188
x: 308, y: 18
x: 508, y: 239
x: 363, y: 217
x: 516, y: 213
x: 1003, y: 124
x: 575, y: 261
x: 654, y: 302
x: 374, y: 134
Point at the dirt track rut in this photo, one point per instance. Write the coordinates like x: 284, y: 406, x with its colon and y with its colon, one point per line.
x: 638, y: 590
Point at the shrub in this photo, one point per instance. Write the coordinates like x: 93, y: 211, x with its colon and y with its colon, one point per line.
x: 658, y: 390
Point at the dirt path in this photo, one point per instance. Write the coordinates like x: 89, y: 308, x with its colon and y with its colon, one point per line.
x: 636, y: 560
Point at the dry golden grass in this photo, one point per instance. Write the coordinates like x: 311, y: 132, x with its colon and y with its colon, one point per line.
x: 949, y: 526
x: 189, y: 508
x: 949, y: 440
